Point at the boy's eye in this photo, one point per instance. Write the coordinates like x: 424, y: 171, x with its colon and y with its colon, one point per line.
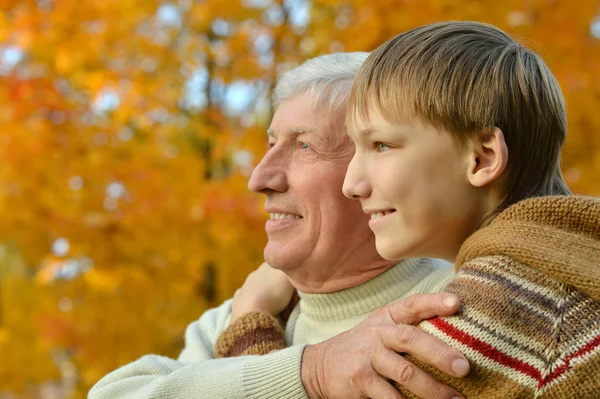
x: 380, y: 147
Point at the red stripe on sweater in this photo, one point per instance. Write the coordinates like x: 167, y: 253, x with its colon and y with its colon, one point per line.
x: 593, y: 344
x: 486, y: 349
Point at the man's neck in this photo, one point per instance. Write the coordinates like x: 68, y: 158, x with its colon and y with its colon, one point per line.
x: 340, y: 279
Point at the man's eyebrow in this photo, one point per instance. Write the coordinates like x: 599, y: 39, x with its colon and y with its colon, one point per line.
x: 300, y: 130
x: 294, y: 131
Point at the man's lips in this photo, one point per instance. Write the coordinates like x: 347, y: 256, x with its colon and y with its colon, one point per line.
x: 280, y: 214
x: 281, y: 221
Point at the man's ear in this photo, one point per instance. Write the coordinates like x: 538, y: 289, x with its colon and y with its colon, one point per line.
x: 489, y: 157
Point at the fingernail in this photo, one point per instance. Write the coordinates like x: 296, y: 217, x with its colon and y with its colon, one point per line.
x: 450, y: 301
x: 460, y: 367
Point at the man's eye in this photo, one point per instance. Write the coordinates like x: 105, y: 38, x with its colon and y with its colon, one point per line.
x: 271, y: 145
x: 380, y: 147
x: 303, y: 146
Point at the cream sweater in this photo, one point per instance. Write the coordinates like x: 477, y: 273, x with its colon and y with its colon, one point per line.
x: 197, y: 374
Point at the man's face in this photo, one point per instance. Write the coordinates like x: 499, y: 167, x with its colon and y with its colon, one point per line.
x: 312, y: 226
x: 411, y: 180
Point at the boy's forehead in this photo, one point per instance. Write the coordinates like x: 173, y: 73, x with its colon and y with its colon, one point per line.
x: 359, y: 126
x: 364, y: 123
x: 379, y: 106
x: 363, y: 113
x: 355, y: 125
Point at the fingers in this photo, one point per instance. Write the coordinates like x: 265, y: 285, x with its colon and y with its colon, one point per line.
x: 420, y: 383
x: 409, y: 339
x: 375, y: 387
x: 412, y: 340
x: 419, y: 307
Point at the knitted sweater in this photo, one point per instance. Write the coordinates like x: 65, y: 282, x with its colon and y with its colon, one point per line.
x: 530, y: 317
x: 198, y: 374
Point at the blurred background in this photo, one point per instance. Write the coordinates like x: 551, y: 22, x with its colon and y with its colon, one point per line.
x: 128, y: 130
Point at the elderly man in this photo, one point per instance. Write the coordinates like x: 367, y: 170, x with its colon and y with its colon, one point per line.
x: 322, y: 242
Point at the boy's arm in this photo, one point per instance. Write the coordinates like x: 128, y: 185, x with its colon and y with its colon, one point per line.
x: 521, y: 331
x: 255, y: 333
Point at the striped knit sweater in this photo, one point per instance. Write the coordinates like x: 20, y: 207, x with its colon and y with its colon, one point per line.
x: 530, y: 317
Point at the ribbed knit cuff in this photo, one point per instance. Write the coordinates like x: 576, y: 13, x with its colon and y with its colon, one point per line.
x: 276, y: 375
x: 255, y: 333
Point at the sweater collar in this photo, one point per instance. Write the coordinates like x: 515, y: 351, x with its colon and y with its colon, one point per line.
x: 368, y: 296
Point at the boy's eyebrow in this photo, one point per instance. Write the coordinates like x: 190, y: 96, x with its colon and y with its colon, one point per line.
x: 366, y: 132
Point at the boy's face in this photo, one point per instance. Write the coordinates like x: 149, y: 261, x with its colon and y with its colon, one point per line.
x: 412, y: 179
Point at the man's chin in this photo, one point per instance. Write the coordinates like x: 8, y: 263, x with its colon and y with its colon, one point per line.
x: 282, y: 257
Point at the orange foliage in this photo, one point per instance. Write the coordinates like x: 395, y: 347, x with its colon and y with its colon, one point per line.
x: 124, y: 211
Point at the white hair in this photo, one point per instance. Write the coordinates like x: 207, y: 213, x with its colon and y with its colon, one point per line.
x: 327, y: 79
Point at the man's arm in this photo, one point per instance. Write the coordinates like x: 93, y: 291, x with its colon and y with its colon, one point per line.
x: 355, y: 364
x: 275, y: 375
x: 345, y: 365
x: 198, y: 374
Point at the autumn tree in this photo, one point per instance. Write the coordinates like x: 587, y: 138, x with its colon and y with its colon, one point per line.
x: 128, y: 131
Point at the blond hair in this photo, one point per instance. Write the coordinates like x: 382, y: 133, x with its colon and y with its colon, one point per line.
x: 467, y: 78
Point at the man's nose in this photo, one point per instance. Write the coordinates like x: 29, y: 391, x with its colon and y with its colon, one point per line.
x: 270, y: 174
x: 355, y: 185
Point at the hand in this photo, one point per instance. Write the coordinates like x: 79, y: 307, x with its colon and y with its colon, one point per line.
x: 265, y: 289
x: 359, y: 362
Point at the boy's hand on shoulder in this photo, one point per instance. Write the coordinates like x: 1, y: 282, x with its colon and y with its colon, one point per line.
x: 265, y: 289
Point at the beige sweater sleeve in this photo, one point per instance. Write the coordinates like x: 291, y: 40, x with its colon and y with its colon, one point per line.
x: 198, y: 374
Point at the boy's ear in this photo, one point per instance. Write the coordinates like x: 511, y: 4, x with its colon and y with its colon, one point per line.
x: 489, y: 157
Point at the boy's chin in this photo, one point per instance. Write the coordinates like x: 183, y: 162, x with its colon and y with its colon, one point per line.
x: 388, y: 251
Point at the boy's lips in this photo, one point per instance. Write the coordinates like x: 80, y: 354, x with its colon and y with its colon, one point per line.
x: 381, y: 213
x: 379, y: 216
